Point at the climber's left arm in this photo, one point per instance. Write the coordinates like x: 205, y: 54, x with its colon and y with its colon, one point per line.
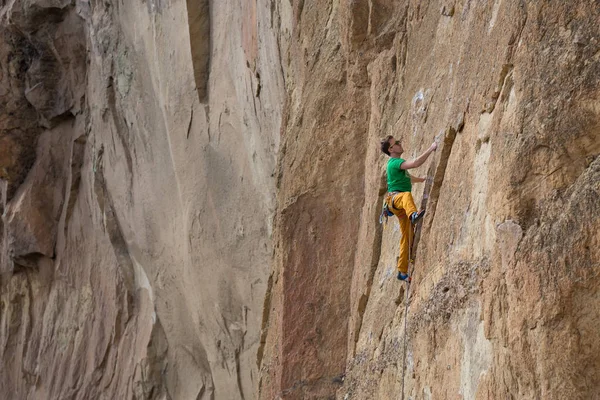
x: 414, y: 179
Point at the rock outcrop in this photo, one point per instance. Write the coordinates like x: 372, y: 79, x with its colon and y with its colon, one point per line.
x: 138, y: 148
x: 505, y: 292
x: 191, y: 192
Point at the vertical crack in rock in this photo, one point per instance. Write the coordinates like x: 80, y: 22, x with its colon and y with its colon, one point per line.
x: 77, y: 154
x: 154, y: 366
x: 189, y: 128
x: 3, y: 314
x: 433, y: 187
x: 199, y: 21
x: 238, y: 370
x: 120, y: 124
x: 27, y: 342
x: 505, y: 79
x: 265, y: 321
x: 431, y: 191
x: 375, y: 258
x: 113, y: 227
x: 402, y: 51
x: 298, y: 8
x: 275, y: 6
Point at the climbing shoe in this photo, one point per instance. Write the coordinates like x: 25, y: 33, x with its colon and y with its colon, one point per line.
x: 403, y: 277
x: 416, y: 216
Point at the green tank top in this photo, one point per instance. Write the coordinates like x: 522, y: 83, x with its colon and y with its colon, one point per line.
x: 397, y: 179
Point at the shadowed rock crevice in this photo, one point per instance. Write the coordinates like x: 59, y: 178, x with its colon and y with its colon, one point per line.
x: 437, y: 170
x: 77, y: 155
x: 27, y: 261
x: 199, y: 21
x: 265, y: 321
x: 18, y: 119
x: 33, y: 216
x: 431, y: 192
x: 56, y: 75
x: 238, y: 370
x: 113, y: 227
x: 375, y: 260
x: 120, y: 124
x: 42, y: 71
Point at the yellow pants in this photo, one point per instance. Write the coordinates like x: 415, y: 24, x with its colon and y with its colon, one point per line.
x: 403, y: 207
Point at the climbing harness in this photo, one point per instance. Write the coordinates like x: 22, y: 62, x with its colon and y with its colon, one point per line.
x: 386, y: 212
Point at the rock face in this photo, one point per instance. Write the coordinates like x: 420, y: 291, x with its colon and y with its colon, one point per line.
x: 191, y: 192
x: 138, y: 148
x: 506, y: 282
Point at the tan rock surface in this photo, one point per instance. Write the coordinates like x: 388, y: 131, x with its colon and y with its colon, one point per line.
x: 146, y: 197
x: 504, y: 302
x: 136, y: 246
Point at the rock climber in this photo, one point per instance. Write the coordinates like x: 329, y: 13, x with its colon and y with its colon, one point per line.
x: 399, y: 199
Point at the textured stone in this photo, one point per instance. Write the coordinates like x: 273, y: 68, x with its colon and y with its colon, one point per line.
x: 506, y: 275
x: 159, y: 158
x: 139, y: 144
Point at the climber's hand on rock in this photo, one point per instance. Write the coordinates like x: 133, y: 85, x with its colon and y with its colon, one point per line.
x: 433, y: 146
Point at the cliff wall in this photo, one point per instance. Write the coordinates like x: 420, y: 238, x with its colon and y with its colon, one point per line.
x: 190, y: 194
x: 139, y: 142
x: 505, y: 288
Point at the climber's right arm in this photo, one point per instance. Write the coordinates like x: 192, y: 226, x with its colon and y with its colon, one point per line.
x: 417, y: 162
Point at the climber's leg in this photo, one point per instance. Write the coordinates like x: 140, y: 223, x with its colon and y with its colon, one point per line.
x: 405, y: 201
x: 405, y: 241
x: 404, y: 205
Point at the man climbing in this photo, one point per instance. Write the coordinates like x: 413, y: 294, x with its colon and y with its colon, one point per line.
x: 399, y: 199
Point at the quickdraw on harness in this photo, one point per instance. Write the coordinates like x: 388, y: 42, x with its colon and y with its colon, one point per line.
x: 385, y: 209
